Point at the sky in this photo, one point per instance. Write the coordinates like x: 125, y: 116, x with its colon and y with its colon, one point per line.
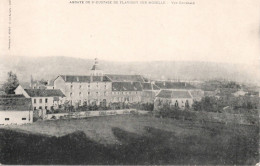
x: 215, y: 30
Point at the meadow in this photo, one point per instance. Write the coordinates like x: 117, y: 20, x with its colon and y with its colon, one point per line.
x: 129, y: 139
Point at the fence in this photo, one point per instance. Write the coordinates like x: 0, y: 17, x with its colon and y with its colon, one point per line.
x: 84, y: 114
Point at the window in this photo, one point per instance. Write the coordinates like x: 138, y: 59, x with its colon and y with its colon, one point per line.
x: 40, y: 100
x: 80, y: 94
x: 40, y: 107
x: 71, y: 86
x: 176, y: 104
x: 34, y: 100
x: 105, y: 86
x: 88, y: 93
x: 46, y: 107
x: 23, y: 118
x: 34, y: 108
x: 6, y: 118
x: 70, y: 94
x: 89, y: 86
x: 80, y: 87
x: 46, y: 100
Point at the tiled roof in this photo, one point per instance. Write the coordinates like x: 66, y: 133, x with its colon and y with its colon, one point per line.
x: 126, y: 86
x: 74, y: 78
x: 149, y: 86
x: 44, y: 92
x: 173, y: 85
x: 11, y: 96
x: 125, y: 78
x: 174, y: 94
x: 15, y: 103
x: 155, y: 87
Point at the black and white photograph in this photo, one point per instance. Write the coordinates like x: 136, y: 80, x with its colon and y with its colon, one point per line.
x: 129, y: 82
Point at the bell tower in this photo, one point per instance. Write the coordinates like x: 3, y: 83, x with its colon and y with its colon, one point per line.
x: 95, y: 70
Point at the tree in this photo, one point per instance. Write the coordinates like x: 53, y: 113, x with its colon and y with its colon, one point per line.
x: 11, y: 84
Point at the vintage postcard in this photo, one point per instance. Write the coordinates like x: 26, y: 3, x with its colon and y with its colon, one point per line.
x: 129, y: 82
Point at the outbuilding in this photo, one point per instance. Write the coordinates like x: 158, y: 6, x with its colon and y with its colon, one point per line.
x: 15, y: 109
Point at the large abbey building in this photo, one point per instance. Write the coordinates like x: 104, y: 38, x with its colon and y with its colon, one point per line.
x: 102, y: 89
x: 99, y: 88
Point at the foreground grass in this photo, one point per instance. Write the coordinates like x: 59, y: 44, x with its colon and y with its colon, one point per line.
x: 128, y: 139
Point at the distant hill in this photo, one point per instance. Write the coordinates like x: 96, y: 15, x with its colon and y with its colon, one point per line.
x: 51, y: 67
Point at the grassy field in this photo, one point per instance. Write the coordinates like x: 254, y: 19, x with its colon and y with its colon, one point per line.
x: 129, y: 139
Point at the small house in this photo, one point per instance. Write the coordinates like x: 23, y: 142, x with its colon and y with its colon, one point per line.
x: 15, y: 109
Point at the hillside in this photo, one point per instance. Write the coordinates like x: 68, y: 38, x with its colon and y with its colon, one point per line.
x: 50, y: 67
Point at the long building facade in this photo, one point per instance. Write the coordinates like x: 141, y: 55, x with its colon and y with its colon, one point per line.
x: 98, y: 88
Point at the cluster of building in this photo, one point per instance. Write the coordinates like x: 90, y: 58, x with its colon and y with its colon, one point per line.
x: 99, y: 88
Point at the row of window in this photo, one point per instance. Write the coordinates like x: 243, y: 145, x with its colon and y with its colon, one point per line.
x: 80, y: 86
x: 40, y: 107
x: 40, y: 101
x: 122, y: 99
x: 7, y: 119
x: 80, y: 94
x: 125, y: 93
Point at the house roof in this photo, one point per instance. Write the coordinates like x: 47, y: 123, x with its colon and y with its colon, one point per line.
x: 74, y: 78
x: 15, y: 103
x: 174, y: 94
x: 126, y: 86
x: 173, y: 85
x: 125, y: 78
x: 44, y: 92
x: 149, y: 86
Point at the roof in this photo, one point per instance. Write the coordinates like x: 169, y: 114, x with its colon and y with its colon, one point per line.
x: 11, y: 96
x: 74, y: 78
x: 173, y: 85
x: 125, y: 78
x: 149, y: 86
x: 126, y: 86
x: 15, y: 103
x: 174, y: 94
x: 44, y: 92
